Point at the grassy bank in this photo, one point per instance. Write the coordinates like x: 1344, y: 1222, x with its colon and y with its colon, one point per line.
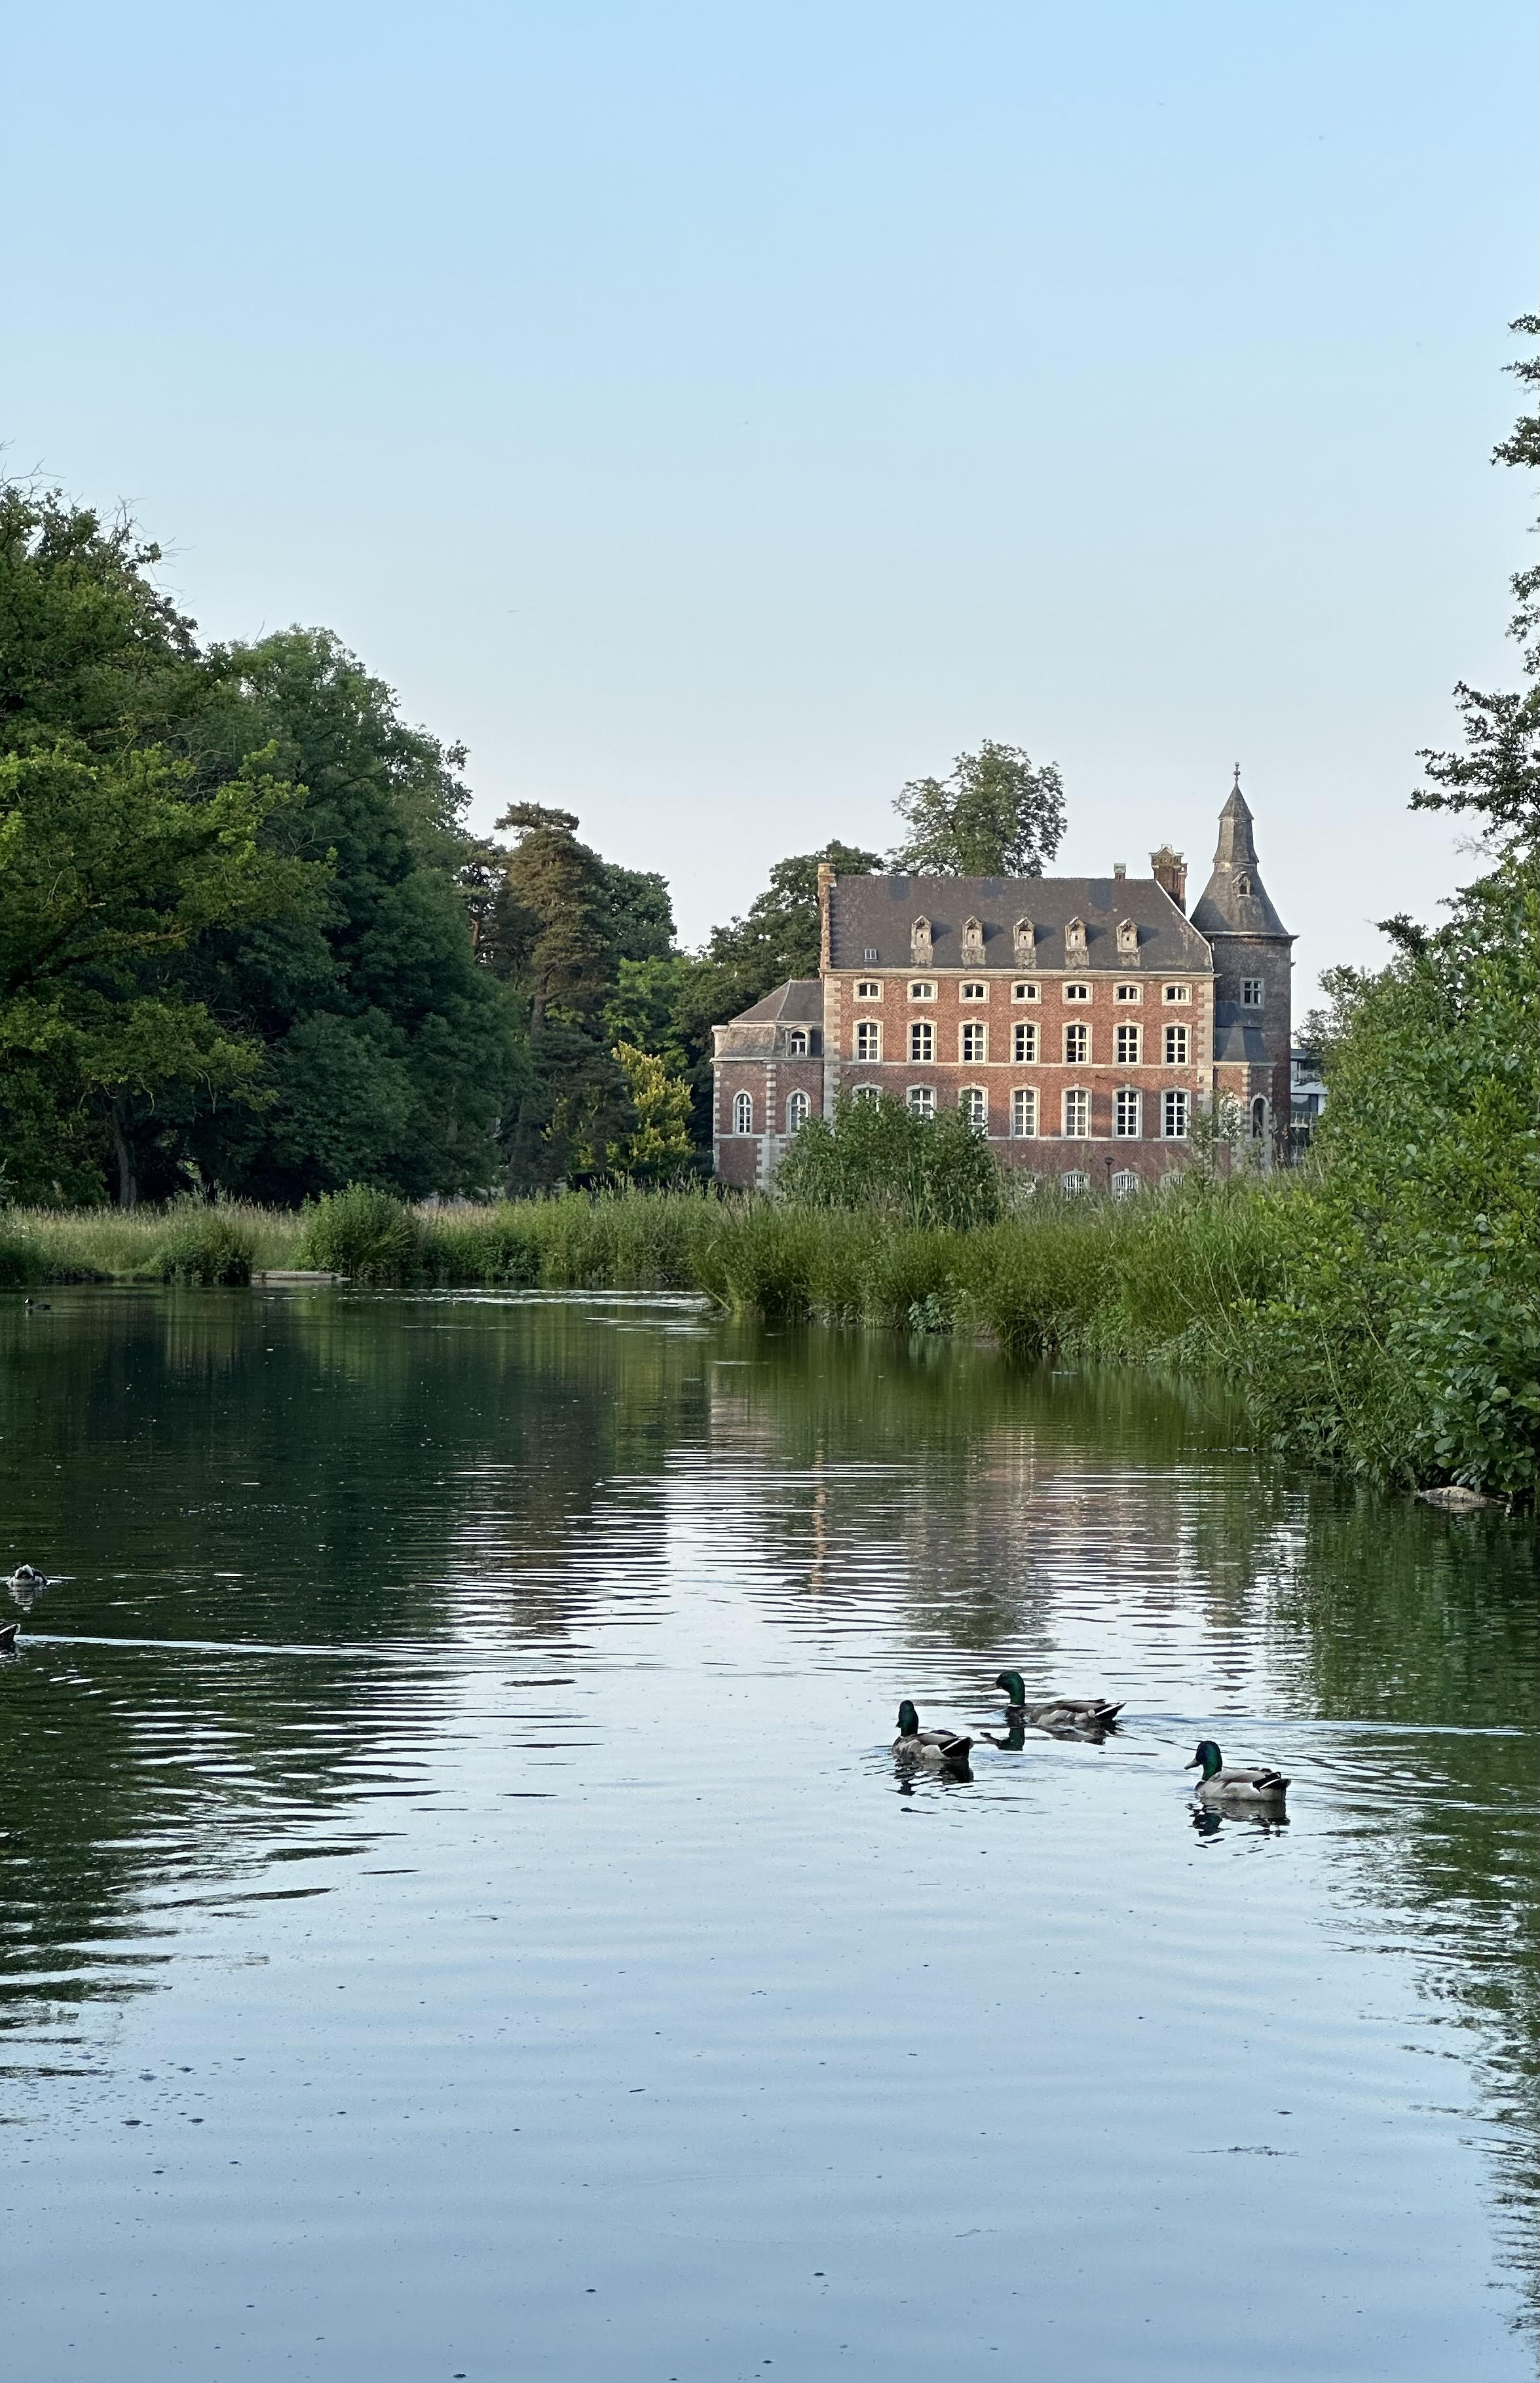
x: 1235, y: 1278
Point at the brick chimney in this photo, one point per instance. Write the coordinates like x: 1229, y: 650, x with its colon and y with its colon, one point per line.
x: 826, y: 886
x: 1168, y: 869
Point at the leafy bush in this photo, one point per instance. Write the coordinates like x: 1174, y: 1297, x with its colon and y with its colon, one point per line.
x: 206, y: 1245
x: 365, y: 1234
x: 878, y: 1155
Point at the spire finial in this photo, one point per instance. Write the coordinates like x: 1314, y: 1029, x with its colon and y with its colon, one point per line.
x: 1236, y: 789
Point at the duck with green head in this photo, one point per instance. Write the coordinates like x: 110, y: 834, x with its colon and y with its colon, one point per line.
x: 1230, y: 1782
x: 1054, y: 1712
x: 936, y: 1746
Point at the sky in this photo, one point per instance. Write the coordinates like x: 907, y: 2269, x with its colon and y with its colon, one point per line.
x: 717, y: 415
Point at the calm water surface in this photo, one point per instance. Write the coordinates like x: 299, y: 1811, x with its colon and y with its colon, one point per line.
x: 462, y: 1918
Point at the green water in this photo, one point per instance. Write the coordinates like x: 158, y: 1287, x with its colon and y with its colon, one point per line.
x: 462, y: 1916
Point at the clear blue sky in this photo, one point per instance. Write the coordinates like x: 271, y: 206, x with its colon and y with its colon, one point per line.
x: 716, y: 414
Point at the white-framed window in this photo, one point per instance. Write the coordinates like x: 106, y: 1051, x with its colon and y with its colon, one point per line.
x: 868, y: 1039
x: 1024, y: 1043
x: 1077, y: 1115
x: 973, y: 991
x: 922, y: 1039
x: 1177, y: 992
x: 922, y: 990
x: 797, y: 1107
x: 1024, y: 1113
x: 1129, y: 993
x: 973, y: 1042
x: 869, y: 1093
x: 1175, y: 1046
x: 1126, y: 1115
x: 1250, y: 992
x: 742, y: 1112
x: 1128, y: 1046
x: 1175, y: 1113
x: 1124, y: 1181
x: 1077, y: 1045
x: 974, y: 1103
x: 922, y: 1100
x: 797, y: 1043
x: 1077, y: 993
x: 868, y: 988
x: 1026, y: 993
x: 1073, y: 1182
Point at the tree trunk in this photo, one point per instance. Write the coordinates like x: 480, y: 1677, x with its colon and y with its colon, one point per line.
x: 127, y: 1183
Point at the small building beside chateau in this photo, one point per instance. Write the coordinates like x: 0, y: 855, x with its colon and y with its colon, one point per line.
x: 1082, y: 1023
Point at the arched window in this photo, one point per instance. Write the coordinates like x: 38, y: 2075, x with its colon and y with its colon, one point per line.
x: 1024, y: 1113
x: 1259, y: 1119
x: 1243, y: 885
x: 922, y: 1100
x: 797, y: 1043
x: 1077, y: 1115
x: 1124, y: 1182
x: 796, y: 1111
x: 1127, y: 1109
x: 974, y: 1103
x: 742, y: 1112
x: 868, y: 1039
x: 869, y: 1093
x: 1073, y: 1182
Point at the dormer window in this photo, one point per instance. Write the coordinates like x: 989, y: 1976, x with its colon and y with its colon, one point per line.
x: 973, y: 939
x: 919, y: 940
x: 973, y: 992
x: 797, y: 1041
x: 1026, y: 993
x: 1075, y: 939
x: 869, y: 989
x: 1023, y: 937
x: 1243, y: 885
x: 1127, y: 937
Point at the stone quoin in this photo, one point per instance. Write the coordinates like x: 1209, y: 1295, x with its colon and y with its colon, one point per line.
x: 1084, y: 1023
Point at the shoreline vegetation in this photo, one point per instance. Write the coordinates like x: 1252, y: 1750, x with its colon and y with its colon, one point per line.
x: 1208, y: 1276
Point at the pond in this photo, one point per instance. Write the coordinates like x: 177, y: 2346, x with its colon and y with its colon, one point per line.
x: 462, y: 1916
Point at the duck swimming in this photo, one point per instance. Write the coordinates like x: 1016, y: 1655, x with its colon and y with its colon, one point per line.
x: 936, y: 1746
x: 1225, y: 1782
x: 27, y: 1576
x: 1055, y: 1712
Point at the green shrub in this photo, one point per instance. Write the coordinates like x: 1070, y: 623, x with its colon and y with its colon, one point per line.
x: 206, y: 1245
x: 365, y: 1234
x: 20, y: 1264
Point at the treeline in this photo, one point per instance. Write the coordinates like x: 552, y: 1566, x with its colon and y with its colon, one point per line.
x: 249, y: 946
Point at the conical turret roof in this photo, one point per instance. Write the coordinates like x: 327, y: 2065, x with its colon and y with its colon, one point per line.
x: 1235, y: 901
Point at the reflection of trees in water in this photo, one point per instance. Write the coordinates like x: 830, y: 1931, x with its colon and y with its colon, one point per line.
x: 1033, y: 1492
x: 408, y: 1476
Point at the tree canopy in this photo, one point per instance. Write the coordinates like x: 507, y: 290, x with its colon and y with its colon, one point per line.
x: 996, y: 815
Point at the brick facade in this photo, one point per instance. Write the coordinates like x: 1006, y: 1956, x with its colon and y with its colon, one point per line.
x: 1097, y: 1020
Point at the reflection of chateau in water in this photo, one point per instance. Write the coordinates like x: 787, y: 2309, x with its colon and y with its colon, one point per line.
x: 399, y: 1501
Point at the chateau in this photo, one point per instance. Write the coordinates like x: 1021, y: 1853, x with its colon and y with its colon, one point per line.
x: 1082, y: 1023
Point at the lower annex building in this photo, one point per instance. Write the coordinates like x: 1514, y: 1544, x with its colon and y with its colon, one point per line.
x: 1082, y: 1023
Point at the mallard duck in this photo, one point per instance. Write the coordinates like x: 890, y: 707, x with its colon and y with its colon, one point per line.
x: 1055, y: 1712
x: 7, y: 1636
x: 933, y: 1745
x: 1225, y: 1782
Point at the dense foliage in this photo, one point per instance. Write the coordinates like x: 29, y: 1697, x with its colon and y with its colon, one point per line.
x: 880, y: 1157
x: 996, y: 815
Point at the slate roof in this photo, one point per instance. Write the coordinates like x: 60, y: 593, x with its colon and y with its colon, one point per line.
x: 756, y: 1032
x: 799, y: 1002
x: 1237, y: 1034
x: 870, y: 914
x: 1222, y: 908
